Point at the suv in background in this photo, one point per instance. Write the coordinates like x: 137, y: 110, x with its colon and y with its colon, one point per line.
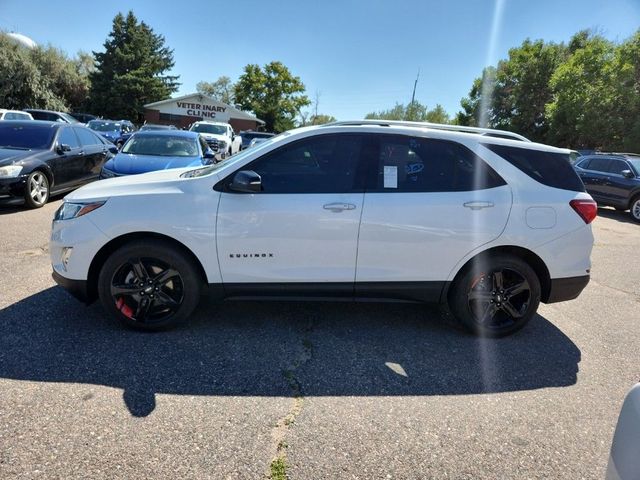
x: 51, y: 116
x: 353, y: 210
x: 14, y: 115
x: 116, y: 131
x: 613, y: 179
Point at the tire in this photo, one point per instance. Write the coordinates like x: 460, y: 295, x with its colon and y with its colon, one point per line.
x: 149, y: 285
x: 495, y: 295
x: 36, y: 190
x: 634, y: 208
x: 229, y: 152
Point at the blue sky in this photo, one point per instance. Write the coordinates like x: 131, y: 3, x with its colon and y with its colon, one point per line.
x: 359, y: 55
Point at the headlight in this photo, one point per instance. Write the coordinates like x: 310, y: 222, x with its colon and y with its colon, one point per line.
x: 69, y: 210
x: 10, y: 171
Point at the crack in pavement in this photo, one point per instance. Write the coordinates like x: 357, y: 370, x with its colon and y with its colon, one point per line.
x: 278, y: 466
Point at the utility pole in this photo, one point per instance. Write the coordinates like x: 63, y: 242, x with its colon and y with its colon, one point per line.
x: 413, y: 95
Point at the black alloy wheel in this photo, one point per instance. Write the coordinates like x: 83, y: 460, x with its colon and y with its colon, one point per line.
x: 147, y: 290
x: 150, y: 284
x: 496, y: 295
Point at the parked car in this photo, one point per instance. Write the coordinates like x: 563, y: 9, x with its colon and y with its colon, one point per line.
x: 51, y: 116
x: 14, y: 115
x: 613, y: 180
x: 257, y: 141
x: 152, y: 126
x: 365, y: 210
x: 248, y: 135
x: 220, y: 137
x: 39, y: 159
x: 116, y: 131
x: 147, y: 151
x: 83, y: 117
x: 624, y: 462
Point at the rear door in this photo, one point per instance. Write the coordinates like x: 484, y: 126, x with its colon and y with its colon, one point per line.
x: 64, y: 165
x: 428, y: 204
x: 94, y: 155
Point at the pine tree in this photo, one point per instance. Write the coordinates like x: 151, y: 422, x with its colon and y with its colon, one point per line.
x: 131, y: 71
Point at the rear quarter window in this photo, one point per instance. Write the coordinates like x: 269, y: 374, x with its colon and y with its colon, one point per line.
x: 551, y: 169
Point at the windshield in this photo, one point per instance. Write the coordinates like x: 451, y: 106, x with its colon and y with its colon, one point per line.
x: 26, y: 137
x: 635, y: 163
x: 100, y: 126
x: 238, y: 157
x: 69, y: 118
x: 161, y: 145
x: 207, y: 128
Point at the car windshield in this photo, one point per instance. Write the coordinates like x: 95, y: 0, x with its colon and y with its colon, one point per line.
x: 155, y: 127
x: 635, y: 162
x: 207, y: 128
x: 68, y: 117
x: 162, y: 145
x: 26, y: 137
x: 100, y: 126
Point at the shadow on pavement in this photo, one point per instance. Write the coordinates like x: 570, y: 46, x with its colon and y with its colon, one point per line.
x: 613, y: 214
x: 256, y: 348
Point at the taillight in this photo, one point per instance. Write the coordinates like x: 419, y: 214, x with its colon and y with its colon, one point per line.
x: 587, y: 209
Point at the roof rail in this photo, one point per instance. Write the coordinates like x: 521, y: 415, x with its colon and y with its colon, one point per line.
x: 617, y: 154
x: 489, y: 132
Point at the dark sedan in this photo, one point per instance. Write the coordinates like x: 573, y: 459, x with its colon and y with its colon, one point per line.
x: 39, y: 159
x: 612, y: 180
x: 51, y: 116
x: 151, y: 150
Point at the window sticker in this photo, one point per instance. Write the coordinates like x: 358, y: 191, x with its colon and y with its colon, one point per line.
x: 390, y: 176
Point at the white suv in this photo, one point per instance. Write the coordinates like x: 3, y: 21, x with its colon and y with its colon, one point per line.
x: 220, y: 137
x: 480, y: 219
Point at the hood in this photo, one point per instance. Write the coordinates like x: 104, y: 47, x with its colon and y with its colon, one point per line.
x: 126, y: 164
x: 163, y: 181
x: 9, y: 156
x: 213, y: 136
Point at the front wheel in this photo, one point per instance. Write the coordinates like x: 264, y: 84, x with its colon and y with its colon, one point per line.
x: 496, y: 295
x: 149, y: 285
x: 36, y: 189
x: 635, y: 209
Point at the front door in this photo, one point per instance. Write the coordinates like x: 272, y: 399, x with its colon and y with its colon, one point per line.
x: 65, y: 165
x: 300, y: 232
x: 432, y: 203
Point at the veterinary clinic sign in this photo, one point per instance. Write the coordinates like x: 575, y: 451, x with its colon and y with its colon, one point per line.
x: 203, y: 110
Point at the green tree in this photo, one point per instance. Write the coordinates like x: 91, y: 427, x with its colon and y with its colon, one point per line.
x: 131, y: 71
x: 272, y: 93
x: 413, y: 112
x: 43, y: 77
x: 222, y: 89
x: 321, y: 119
x: 584, y: 112
x: 473, y: 106
x: 626, y: 95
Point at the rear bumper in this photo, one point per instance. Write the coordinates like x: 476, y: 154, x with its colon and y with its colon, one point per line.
x: 563, y: 289
x: 77, y: 288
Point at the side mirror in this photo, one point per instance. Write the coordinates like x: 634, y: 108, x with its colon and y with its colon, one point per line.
x: 209, y: 156
x: 627, y: 174
x: 62, y: 148
x: 113, y: 149
x: 246, y: 181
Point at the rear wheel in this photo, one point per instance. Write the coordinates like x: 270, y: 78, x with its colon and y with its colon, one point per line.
x: 36, y: 192
x: 635, y: 209
x: 149, y: 285
x: 496, y: 295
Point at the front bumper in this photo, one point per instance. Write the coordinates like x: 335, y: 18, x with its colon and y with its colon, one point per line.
x: 563, y: 289
x: 77, y: 288
x: 12, y: 189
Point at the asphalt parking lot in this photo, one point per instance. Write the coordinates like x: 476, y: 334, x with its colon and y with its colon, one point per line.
x: 342, y: 390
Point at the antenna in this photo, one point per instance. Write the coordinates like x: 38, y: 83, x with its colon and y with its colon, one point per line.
x: 415, y: 84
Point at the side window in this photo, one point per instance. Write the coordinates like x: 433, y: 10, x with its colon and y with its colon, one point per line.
x: 617, y: 166
x: 584, y: 163
x: 599, y: 164
x: 87, y: 137
x: 12, y: 116
x: 321, y: 164
x: 67, y: 137
x: 412, y: 164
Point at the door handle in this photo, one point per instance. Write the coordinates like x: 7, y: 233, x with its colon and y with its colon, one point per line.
x: 477, y: 205
x: 339, y: 207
